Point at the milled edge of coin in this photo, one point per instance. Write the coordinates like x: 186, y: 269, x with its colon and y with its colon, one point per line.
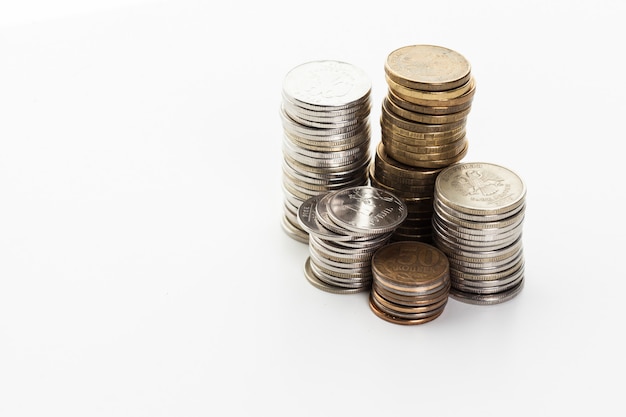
x: 321, y: 285
x: 487, y: 299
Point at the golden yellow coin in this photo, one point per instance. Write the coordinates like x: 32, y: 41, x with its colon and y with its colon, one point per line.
x: 427, y: 67
x: 429, y: 95
x: 410, y: 95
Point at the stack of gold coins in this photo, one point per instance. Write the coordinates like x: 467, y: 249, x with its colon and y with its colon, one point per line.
x: 411, y: 282
x: 479, y: 213
x: 326, y: 142
x: 423, y: 121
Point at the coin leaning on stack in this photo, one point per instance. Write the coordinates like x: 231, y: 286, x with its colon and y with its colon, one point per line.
x: 423, y: 128
x: 345, y: 228
x: 478, y: 220
x: 411, y: 282
x: 326, y: 143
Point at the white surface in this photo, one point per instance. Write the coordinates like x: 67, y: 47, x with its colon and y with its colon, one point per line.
x: 143, y: 269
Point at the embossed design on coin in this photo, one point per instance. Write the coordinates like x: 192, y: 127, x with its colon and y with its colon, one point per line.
x: 367, y: 210
x: 410, y: 263
x: 427, y: 67
x: 480, y: 188
x: 326, y: 83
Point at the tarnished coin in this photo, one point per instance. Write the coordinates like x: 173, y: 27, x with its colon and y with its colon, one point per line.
x: 410, y: 266
x: 480, y: 188
x: 326, y: 83
x: 427, y: 67
x: 367, y: 210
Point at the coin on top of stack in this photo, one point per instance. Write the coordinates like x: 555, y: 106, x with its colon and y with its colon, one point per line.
x: 411, y: 282
x: 326, y: 142
x: 345, y: 228
x: 478, y: 221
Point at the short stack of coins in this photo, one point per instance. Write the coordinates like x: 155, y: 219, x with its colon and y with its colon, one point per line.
x: 478, y: 220
x: 423, y: 121
x: 411, y: 282
x: 345, y: 229
x: 326, y: 143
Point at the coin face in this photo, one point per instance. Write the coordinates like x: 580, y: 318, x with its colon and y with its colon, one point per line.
x: 427, y: 67
x: 480, y: 188
x: 410, y: 263
x: 367, y: 210
x: 327, y: 83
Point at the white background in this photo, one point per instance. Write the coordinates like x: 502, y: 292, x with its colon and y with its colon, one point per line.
x: 143, y: 268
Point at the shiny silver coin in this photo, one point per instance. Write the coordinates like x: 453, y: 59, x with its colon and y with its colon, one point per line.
x: 518, y: 211
x: 326, y: 84
x: 348, y: 248
x: 363, y: 106
x: 319, y: 284
x: 456, y: 274
x: 497, y: 289
x: 487, y: 299
x: 356, y: 275
x: 367, y: 210
x: 294, y: 232
x: 471, y: 283
x: 342, y: 257
x: 474, y: 237
x: 480, y: 188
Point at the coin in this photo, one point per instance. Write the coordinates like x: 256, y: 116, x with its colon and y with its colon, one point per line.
x: 326, y: 84
x: 480, y: 188
x: 367, y: 210
x: 427, y: 67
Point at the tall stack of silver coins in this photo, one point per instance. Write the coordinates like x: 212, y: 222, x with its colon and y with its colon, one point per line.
x: 479, y: 213
x: 326, y: 143
x: 423, y: 121
x: 346, y: 227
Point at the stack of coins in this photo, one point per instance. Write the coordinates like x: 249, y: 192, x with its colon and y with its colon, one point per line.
x: 411, y: 282
x: 345, y: 228
x: 423, y: 121
x: 479, y: 213
x: 326, y: 143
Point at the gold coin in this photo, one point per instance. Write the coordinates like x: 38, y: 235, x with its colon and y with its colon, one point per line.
x: 421, y: 149
x: 407, y: 105
x: 409, y: 159
x: 405, y: 136
x: 410, y: 95
x: 403, y: 170
x: 392, y: 119
x: 425, y: 118
x: 427, y: 67
x: 393, y: 150
x: 429, y: 95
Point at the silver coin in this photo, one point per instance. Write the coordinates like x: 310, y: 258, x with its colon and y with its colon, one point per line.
x: 367, y: 210
x: 326, y: 84
x: 317, y: 283
x: 480, y: 188
x: 293, y: 231
x: 487, y: 299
